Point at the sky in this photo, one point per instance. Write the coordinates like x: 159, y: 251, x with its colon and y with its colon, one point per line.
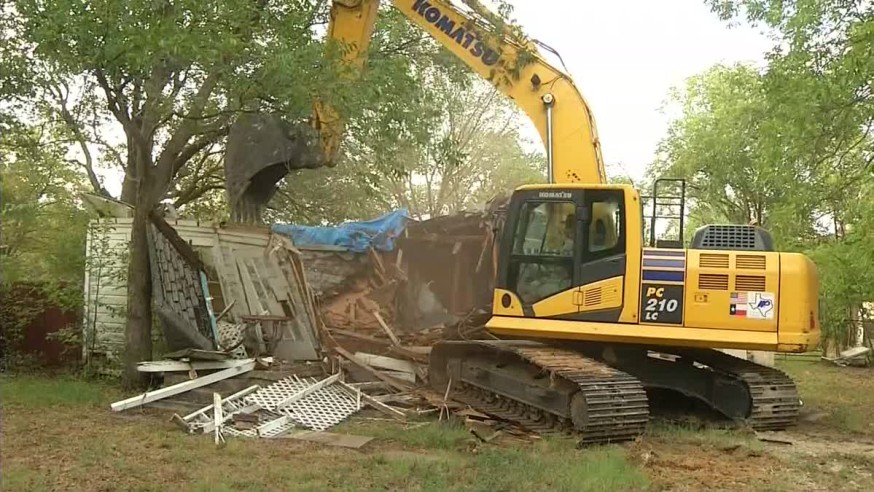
x: 625, y: 55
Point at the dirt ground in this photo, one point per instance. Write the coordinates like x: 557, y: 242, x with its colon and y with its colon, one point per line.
x: 59, y: 434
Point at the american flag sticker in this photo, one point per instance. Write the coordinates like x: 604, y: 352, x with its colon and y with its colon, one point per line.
x: 738, y: 304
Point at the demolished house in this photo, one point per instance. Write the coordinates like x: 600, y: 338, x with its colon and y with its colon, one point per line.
x: 264, y: 329
x: 200, y: 273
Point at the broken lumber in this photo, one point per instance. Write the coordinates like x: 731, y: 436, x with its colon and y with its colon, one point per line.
x: 400, y: 385
x: 379, y: 269
x: 307, y: 391
x: 197, y: 354
x: 369, y: 385
x: 382, y: 407
x: 414, y: 353
x: 403, y: 376
x: 236, y: 396
x: 425, y: 351
x: 388, y: 331
x: 225, y: 311
x: 774, y: 437
x: 218, y: 417
x: 396, y: 398
x: 357, y: 336
x: 406, y: 353
x: 381, y: 362
x: 182, y: 387
x: 184, y: 366
x: 851, y: 356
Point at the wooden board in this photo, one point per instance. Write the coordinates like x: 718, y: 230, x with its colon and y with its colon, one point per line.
x: 330, y: 438
x: 394, y: 365
x: 161, y: 393
x: 400, y: 385
x: 388, y: 331
x: 401, y: 376
x: 183, y: 366
x: 196, y: 354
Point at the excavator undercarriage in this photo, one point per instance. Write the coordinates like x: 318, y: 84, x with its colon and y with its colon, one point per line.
x: 599, y: 392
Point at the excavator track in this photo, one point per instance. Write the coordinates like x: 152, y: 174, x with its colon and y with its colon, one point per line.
x: 775, y: 402
x: 759, y: 396
x: 542, y: 388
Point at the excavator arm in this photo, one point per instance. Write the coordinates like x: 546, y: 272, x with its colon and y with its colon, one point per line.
x: 516, y: 68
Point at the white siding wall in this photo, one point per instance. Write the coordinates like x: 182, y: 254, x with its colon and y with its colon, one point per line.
x: 105, y: 287
x: 106, y: 269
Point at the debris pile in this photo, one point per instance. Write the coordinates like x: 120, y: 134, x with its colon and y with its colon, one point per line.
x: 278, y: 358
x: 369, y: 301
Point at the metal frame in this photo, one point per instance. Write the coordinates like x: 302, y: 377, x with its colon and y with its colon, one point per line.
x: 677, y: 201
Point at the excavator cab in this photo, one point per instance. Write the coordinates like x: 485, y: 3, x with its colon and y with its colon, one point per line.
x: 572, y: 265
x: 559, y: 237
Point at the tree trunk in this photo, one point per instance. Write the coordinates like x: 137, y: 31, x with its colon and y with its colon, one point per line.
x: 128, y: 189
x: 138, y: 330
x: 130, y: 183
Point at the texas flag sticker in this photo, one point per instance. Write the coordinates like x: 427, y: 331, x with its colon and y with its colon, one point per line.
x: 753, y: 305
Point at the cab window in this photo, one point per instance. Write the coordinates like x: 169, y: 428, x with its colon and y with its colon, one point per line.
x: 542, y: 260
x: 605, y: 237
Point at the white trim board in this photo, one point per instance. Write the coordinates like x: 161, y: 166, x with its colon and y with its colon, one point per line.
x: 182, y: 387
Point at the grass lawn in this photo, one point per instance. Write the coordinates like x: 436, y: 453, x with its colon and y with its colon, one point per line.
x: 59, y: 434
x: 841, y: 397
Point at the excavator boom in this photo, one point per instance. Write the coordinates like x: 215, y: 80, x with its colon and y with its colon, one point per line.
x: 515, y: 67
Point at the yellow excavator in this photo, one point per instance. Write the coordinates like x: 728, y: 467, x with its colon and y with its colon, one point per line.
x: 592, y: 324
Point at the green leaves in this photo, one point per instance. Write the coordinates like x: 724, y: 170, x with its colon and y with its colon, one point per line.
x: 727, y: 146
x: 791, y: 147
x: 43, y: 234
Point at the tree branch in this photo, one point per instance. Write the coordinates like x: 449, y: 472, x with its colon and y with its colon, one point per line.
x: 74, y: 127
x: 199, y: 144
x: 167, y: 165
x: 119, y: 112
x: 195, y: 192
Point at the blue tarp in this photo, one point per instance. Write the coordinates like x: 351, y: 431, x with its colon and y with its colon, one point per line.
x: 379, y: 233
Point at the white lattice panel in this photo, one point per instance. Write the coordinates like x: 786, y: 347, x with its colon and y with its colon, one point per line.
x: 231, y: 405
x: 238, y: 433
x: 322, y: 409
x: 278, y: 425
x: 270, y: 396
x: 230, y: 335
x: 318, y: 410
